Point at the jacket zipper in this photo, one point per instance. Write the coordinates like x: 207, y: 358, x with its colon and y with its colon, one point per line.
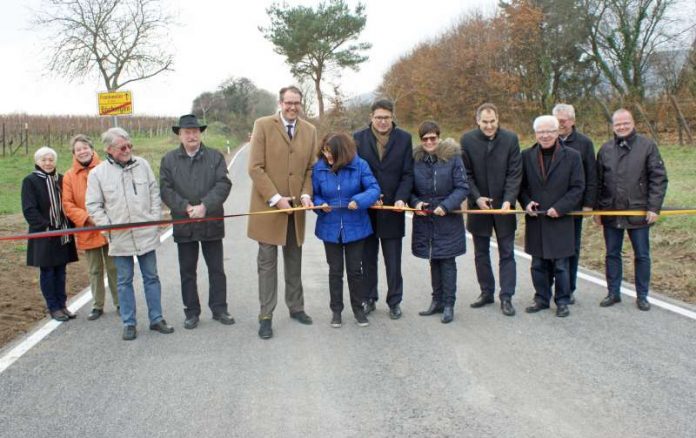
x: 432, y: 219
x: 338, y: 188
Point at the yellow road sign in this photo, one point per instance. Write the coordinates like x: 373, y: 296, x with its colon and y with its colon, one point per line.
x: 115, y: 103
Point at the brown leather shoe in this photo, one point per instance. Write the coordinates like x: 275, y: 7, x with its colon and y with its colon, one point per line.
x: 59, y: 315
x: 69, y: 313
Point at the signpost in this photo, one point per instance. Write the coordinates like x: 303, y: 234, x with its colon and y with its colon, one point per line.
x: 115, y: 103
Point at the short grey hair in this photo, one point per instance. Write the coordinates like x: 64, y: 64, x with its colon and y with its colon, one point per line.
x: 82, y: 138
x: 564, y: 108
x: 112, y: 133
x: 545, y: 119
x: 44, y: 150
x: 619, y: 111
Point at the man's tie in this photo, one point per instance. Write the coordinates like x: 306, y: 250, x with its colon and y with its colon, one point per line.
x: 290, y: 131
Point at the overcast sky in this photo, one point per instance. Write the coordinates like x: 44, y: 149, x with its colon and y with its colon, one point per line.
x: 213, y: 41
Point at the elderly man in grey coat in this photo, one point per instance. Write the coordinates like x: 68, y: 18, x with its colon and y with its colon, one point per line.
x: 123, y: 189
x: 194, y: 184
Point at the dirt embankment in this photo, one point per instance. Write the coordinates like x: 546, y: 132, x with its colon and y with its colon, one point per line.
x: 21, y: 302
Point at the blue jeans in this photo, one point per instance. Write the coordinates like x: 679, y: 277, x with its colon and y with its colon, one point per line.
x: 52, y: 280
x: 151, y: 285
x: 547, y: 273
x: 640, y: 241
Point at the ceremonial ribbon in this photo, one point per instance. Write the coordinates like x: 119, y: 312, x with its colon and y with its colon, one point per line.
x: 132, y: 225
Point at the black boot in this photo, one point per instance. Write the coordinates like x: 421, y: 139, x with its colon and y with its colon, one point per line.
x: 482, y: 300
x: 435, y: 307
x: 447, y: 314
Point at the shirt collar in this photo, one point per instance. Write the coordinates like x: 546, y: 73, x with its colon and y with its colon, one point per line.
x: 286, y: 122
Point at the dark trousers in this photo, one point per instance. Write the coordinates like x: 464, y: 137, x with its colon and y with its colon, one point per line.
x: 640, y: 241
x: 547, y: 273
x: 52, y: 282
x: 335, y: 253
x: 188, y: 262
x: 443, y: 275
x: 574, y: 260
x: 391, y: 251
x: 507, y: 268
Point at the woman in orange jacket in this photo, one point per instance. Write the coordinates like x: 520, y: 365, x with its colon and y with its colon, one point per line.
x: 94, y: 244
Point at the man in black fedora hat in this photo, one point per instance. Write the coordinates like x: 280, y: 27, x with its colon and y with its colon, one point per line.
x: 194, y: 184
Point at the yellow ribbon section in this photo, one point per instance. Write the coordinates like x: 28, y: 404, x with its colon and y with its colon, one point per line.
x: 666, y: 212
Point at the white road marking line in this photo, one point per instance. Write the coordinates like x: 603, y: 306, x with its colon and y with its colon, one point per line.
x: 82, y: 298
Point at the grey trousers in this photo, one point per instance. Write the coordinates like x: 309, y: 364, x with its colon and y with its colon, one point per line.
x: 267, y: 261
x: 99, y: 261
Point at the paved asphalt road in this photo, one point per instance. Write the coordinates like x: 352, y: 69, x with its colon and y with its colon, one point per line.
x: 614, y: 372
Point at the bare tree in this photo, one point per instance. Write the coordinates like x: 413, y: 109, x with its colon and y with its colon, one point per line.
x: 624, y: 34
x: 121, y: 40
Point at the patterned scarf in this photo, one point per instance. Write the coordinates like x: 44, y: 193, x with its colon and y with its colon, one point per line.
x: 56, y: 216
x: 381, y: 141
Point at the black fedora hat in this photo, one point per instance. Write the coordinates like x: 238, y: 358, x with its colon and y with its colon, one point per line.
x: 188, y: 121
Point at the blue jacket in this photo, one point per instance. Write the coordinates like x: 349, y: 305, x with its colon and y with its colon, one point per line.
x: 440, y: 181
x: 354, y: 182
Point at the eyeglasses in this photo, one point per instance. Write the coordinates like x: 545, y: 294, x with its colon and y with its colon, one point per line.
x: 125, y: 147
x: 325, y: 150
x: 292, y: 103
x: 429, y: 138
x: 547, y: 132
x: 382, y: 118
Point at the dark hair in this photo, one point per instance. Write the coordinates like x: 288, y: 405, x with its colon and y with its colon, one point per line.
x: 486, y: 107
x: 81, y: 138
x: 427, y: 127
x: 292, y: 88
x: 342, y: 148
x: 384, y: 104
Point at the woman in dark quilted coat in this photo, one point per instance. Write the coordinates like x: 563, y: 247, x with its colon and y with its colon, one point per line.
x: 439, y: 188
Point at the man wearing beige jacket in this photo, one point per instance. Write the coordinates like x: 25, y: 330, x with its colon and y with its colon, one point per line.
x: 283, y: 149
x: 123, y: 189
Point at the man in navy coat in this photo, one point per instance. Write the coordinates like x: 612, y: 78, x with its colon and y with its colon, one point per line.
x: 389, y: 152
x: 494, y: 170
x: 570, y: 137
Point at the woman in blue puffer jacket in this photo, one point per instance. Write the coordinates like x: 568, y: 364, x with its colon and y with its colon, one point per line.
x: 345, y: 188
x: 439, y: 187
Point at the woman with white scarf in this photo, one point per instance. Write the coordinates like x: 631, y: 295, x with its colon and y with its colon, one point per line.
x: 43, y: 211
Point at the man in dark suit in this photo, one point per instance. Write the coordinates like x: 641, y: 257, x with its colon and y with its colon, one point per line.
x: 492, y: 159
x: 389, y: 152
x: 570, y: 137
x: 553, y: 182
